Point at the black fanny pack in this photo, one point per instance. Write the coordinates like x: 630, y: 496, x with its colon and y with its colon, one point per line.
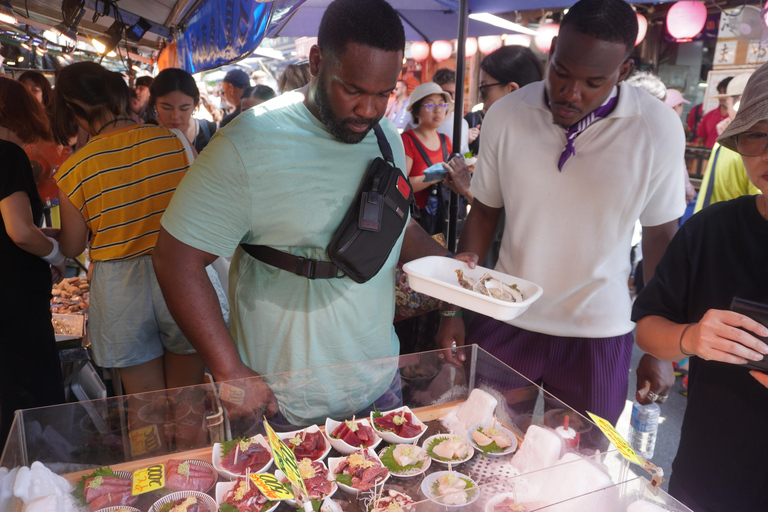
x: 369, y: 231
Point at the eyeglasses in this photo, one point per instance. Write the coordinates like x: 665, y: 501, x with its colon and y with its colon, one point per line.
x: 483, y: 89
x: 430, y: 107
x: 751, y: 143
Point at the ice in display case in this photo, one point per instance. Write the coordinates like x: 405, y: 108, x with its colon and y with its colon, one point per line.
x: 130, y: 433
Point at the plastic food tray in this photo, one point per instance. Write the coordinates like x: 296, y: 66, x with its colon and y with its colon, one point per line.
x: 436, y: 276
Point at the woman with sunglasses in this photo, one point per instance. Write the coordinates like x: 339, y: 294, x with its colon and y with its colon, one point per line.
x: 424, y: 146
x: 685, y: 311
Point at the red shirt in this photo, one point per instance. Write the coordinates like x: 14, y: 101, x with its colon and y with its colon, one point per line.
x: 419, y: 165
x: 708, y: 126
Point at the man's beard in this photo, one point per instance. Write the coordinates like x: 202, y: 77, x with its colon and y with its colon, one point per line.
x: 337, y: 127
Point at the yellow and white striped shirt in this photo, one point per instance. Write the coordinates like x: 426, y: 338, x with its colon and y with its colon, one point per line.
x: 122, y: 183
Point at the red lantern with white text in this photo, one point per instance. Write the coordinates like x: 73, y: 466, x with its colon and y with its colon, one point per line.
x: 441, y: 50
x: 642, y: 28
x: 489, y: 44
x: 686, y: 19
x: 419, y: 51
x: 544, y: 35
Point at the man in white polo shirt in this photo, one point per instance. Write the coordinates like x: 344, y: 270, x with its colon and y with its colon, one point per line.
x: 574, y: 161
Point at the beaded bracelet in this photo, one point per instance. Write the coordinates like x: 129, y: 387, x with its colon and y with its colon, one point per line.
x: 451, y: 313
x: 680, y: 343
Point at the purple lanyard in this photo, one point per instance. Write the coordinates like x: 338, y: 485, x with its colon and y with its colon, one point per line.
x: 574, y: 131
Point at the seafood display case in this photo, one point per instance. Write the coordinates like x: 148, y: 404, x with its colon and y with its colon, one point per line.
x: 474, y: 435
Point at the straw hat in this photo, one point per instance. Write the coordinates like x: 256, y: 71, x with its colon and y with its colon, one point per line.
x: 674, y: 98
x: 735, y: 86
x: 424, y: 90
x: 753, y: 107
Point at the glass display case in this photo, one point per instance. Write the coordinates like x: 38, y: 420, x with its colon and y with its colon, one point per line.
x: 448, y: 393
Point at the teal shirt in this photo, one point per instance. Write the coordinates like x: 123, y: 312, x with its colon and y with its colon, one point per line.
x: 274, y: 176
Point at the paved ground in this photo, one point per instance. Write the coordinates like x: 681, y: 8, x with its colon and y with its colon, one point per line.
x: 671, y: 419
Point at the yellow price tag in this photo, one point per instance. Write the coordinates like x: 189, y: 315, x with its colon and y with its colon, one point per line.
x: 285, y: 459
x: 617, y: 440
x: 271, y: 487
x: 144, y: 440
x: 148, y: 479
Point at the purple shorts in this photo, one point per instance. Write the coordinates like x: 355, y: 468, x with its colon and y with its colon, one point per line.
x: 585, y: 373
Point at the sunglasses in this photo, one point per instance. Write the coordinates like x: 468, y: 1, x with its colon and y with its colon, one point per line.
x: 751, y: 143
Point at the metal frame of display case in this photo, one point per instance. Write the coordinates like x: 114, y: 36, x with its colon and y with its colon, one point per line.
x: 136, y: 431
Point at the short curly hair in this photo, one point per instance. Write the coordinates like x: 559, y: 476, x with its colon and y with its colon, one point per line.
x: 613, y: 21
x: 371, y: 23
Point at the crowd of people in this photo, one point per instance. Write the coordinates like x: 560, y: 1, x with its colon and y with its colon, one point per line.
x: 567, y: 164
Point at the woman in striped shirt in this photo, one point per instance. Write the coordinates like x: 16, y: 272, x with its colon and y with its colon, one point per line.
x: 113, y: 193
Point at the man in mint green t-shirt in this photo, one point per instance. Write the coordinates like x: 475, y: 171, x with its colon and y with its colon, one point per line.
x: 284, y: 175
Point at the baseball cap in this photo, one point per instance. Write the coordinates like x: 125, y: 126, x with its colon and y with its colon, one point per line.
x: 753, y: 107
x: 735, y: 86
x: 238, y: 78
x: 674, y: 98
x: 424, y: 90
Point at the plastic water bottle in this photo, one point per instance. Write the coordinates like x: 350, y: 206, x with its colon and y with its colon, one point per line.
x: 644, y: 425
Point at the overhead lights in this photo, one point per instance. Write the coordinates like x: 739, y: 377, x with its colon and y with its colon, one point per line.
x: 107, y: 42
x: 112, y: 54
x: 6, y: 13
x: 497, y: 21
x: 20, y: 59
x: 72, y: 12
x: 25, y: 44
x: 42, y: 48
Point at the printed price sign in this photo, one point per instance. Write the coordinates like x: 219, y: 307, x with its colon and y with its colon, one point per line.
x: 285, y: 459
x: 148, y: 479
x: 271, y: 487
x: 231, y: 394
x: 617, y: 440
x: 144, y: 440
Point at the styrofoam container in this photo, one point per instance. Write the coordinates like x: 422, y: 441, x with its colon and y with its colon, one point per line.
x: 436, y: 276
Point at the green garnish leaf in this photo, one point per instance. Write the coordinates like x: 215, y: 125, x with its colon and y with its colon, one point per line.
x: 226, y: 507
x: 388, y: 460
x: 268, y: 505
x: 344, y: 479
x: 468, y: 154
x: 228, y: 446
x: 376, y: 412
x: 166, y: 507
x: 467, y: 489
x: 316, y: 504
x: 79, y: 491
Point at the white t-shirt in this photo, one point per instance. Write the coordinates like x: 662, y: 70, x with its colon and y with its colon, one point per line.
x: 570, y: 231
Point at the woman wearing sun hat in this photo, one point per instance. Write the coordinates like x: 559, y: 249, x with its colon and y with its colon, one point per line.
x: 719, y: 254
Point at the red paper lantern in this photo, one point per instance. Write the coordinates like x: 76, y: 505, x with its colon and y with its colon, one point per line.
x: 419, y: 51
x: 642, y: 28
x: 489, y: 44
x: 441, y: 50
x: 686, y: 19
x: 544, y: 35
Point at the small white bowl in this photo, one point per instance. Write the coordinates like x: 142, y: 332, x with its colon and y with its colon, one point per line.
x: 281, y: 476
x: 285, y: 436
x: 170, y: 498
x: 512, y: 437
x: 426, y: 488
x: 440, y: 460
x: 222, y: 488
x: 406, y: 474
x: 333, y: 463
x: 393, y: 438
x: 217, y: 458
x: 341, y: 446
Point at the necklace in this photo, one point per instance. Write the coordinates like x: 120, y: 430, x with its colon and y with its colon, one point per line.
x: 114, y: 121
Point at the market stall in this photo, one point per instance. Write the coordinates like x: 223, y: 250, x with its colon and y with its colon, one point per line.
x: 555, y: 459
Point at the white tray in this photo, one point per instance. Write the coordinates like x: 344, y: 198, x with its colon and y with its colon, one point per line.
x: 436, y: 276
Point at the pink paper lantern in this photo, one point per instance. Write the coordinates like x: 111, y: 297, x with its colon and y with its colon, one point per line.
x: 489, y: 44
x: 544, y: 35
x: 765, y: 16
x: 419, y: 51
x: 686, y: 19
x: 441, y: 50
x: 642, y: 28
x: 470, y: 47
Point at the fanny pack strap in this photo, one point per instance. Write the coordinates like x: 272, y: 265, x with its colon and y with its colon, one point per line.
x: 307, y: 267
